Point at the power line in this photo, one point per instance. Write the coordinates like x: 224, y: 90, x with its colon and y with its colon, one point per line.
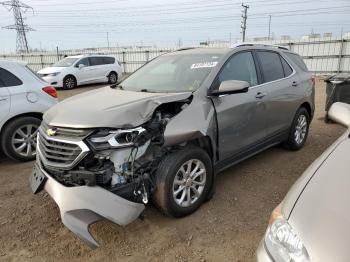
x: 16, y: 7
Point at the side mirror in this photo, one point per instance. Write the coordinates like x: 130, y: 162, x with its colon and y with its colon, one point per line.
x: 80, y: 66
x: 340, y: 113
x: 231, y: 87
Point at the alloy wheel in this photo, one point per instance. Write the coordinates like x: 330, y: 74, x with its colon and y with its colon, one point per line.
x: 23, y: 140
x: 69, y: 82
x: 300, y: 129
x: 189, y: 183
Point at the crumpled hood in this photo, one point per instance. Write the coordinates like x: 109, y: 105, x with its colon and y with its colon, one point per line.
x: 50, y: 70
x: 107, y: 107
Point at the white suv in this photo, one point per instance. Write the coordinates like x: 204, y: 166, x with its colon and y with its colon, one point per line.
x: 24, y: 97
x: 82, y: 69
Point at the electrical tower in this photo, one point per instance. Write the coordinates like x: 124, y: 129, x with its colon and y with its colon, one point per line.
x: 244, y: 20
x: 18, y: 8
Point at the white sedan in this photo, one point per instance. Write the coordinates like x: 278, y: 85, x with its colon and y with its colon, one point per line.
x: 82, y: 69
x: 24, y: 97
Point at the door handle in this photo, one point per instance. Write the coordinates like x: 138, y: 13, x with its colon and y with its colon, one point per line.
x: 294, y: 84
x: 260, y: 95
x: 3, y: 98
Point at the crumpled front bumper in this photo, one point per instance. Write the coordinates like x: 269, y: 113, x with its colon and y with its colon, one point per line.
x: 82, y: 206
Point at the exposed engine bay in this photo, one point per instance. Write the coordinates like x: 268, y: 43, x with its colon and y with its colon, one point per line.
x: 123, y: 161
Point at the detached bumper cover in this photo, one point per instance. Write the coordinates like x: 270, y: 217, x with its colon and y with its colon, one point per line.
x: 82, y: 206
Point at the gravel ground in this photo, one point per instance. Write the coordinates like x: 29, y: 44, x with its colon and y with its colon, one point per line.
x: 227, y: 228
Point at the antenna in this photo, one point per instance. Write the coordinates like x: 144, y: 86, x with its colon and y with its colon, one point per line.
x: 18, y: 8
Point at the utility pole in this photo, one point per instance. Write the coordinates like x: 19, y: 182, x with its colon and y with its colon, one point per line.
x: 269, y: 37
x: 18, y: 8
x: 244, y: 20
x: 108, y: 40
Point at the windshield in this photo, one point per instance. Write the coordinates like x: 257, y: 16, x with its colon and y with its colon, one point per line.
x: 172, y: 73
x: 66, y: 62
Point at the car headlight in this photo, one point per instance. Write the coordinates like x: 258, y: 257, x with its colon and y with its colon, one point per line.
x: 282, y: 242
x: 54, y: 74
x: 115, y: 139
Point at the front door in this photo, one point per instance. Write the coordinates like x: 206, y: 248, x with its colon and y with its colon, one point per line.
x: 241, y: 117
x: 84, y: 74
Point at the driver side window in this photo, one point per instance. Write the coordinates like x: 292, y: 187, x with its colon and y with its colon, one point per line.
x: 240, y: 67
x: 84, y: 61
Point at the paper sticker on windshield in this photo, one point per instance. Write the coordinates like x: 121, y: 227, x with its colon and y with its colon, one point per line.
x: 204, y: 65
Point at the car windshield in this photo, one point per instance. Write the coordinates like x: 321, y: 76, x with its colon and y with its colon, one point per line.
x: 172, y: 73
x: 66, y: 62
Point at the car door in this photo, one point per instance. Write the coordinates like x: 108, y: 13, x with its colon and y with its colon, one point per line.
x: 4, y: 100
x: 241, y: 118
x: 84, y: 74
x: 98, y: 69
x: 281, y: 84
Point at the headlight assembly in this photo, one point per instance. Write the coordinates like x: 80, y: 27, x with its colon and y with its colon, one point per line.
x: 115, y: 139
x: 282, y: 242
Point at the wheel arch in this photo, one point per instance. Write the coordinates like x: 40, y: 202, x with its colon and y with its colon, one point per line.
x: 308, y: 108
x: 30, y: 114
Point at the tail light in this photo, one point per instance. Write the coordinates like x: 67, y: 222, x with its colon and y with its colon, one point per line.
x: 50, y: 90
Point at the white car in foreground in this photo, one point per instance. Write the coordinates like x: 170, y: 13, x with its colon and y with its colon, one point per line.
x: 24, y: 97
x: 82, y: 69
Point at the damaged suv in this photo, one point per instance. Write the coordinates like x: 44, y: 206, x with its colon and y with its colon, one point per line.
x: 167, y: 130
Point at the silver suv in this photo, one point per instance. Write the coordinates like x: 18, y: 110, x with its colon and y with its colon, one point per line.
x: 167, y: 130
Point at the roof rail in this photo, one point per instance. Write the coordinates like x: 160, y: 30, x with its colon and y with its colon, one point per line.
x: 258, y: 44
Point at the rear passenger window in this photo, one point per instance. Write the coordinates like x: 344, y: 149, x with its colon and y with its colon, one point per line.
x: 2, y: 84
x: 271, y: 65
x: 94, y: 61
x: 9, y: 79
x: 298, y: 61
x: 286, y: 67
x: 108, y: 60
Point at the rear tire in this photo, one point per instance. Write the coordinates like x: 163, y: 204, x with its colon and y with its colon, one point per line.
x: 112, y: 78
x: 69, y: 82
x: 299, y: 130
x: 182, y: 185
x: 18, y: 138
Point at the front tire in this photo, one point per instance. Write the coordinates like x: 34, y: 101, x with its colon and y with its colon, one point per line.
x: 184, y: 179
x: 69, y: 82
x: 299, y: 130
x: 18, y: 139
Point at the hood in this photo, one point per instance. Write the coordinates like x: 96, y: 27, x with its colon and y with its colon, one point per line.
x: 50, y: 70
x: 107, y: 107
x: 321, y: 216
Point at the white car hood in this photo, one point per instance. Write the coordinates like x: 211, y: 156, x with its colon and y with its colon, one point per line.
x: 50, y: 70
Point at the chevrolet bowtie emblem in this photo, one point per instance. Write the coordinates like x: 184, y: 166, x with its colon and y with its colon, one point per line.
x: 51, y: 132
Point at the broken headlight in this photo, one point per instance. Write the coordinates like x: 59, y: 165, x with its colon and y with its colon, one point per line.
x: 115, y: 138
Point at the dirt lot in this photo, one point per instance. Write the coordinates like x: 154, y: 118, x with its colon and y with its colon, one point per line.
x: 228, y: 228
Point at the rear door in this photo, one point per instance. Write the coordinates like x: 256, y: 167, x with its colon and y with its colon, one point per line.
x: 6, y: 79
x: 281, y: 83
x: 4, y: 101
x: 98, y: 69
x: 241, y: 117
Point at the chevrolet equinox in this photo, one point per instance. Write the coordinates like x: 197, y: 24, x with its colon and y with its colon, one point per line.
x: 167, y: 130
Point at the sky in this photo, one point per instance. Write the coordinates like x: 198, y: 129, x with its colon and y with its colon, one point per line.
x: 88, y: 23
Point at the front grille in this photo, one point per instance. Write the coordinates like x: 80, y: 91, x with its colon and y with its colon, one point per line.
x: 60, y: 152
x: 67, y: 132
